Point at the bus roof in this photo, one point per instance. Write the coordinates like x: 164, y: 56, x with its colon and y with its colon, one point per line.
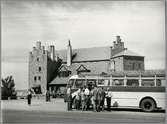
x: 146, y: 73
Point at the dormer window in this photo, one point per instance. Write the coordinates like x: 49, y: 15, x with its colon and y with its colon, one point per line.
x: 64, y: 72
x: 37, y: 59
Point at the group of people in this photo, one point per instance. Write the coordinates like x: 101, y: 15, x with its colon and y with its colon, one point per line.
x: 86, y: 97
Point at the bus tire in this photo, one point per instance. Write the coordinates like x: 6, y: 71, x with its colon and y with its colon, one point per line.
x: 148, y: 105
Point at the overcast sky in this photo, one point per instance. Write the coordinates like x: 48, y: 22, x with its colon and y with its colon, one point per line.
x: 141, y: 25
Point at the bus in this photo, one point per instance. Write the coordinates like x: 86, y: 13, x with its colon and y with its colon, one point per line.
x: 144, y: 90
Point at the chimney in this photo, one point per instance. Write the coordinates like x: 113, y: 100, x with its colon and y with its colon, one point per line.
x: 118, y: 39
x: 52, y: 52
x: 114, y: 44
x: 38, y: 45
x: 69, y: 54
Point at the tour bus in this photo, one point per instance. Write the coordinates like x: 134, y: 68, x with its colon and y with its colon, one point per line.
x: 145, y: 90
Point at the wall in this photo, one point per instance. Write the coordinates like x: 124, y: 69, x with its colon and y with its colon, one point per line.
x: 34, y: 65
x: 118, y: 63
x: 95, y: 67
x: 133, y: 63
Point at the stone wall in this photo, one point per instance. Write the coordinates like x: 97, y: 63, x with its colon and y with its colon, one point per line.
x: 38, y: 68
x: 133, y: 63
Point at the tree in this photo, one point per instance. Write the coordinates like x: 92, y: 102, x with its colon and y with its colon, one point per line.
x: 8, y: 88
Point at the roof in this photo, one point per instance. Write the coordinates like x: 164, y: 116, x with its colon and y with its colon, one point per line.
x: 146, y: 73
x: 59, y: 81
x: 87, y: 54
x: 126, y: 53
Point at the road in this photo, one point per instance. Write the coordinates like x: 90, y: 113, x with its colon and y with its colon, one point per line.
x: 55, y: 112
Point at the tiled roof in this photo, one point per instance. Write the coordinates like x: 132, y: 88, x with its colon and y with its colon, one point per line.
x: 59, y: 81
x: 87, y: 54
x: 126, y: 53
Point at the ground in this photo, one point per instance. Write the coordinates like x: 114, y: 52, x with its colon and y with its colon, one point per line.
x: 17, y: 111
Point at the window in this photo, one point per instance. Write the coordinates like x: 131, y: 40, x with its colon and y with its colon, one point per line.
x: 37, y: 59
x: 39, y: 78
x: 133, y: 66
x: 39, y: 69
x: 132, y: 82
x: 139, y: 66
x: 35, y: 78
x: 104, y: 82
x: 71, y: 82
x: 119, y: 82
x: 64, y: 73
x: 80, y: 83
x: 112, y: 65
x: 91, y: 81
x: 161, y: 82
x: 101, y: 82
x: 147, y: 82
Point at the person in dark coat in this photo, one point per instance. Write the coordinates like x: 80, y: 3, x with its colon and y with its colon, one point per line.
x: 69, y: 99
x: 29, y: 96
x: 109, y: 95
x: 94, y: 97
x: 47, y: 96
x: 103, y: 94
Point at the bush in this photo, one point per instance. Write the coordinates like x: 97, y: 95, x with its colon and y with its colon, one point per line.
x: 7, y: 89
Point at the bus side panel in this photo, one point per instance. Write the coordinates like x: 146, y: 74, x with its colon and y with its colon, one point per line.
x: 159, y: 98
x: 133, y: 98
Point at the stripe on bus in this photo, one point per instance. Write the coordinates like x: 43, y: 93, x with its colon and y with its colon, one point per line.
x: 137, y: 89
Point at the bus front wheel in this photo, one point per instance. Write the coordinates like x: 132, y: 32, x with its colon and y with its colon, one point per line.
x: 148, y: 105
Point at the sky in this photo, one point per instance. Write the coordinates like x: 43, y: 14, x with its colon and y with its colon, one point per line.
x: 141, y: 25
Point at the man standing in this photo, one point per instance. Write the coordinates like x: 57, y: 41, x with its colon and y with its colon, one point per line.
x: 109, y: 95
x: 83, y: 99
x: 87, y: 95
x: 94, y: 98
x: 103, y: 94
x: 47, y: 96
x: 69, y: 99
x: 29, y: 96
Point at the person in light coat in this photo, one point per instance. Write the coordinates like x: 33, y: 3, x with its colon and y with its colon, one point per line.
x: 109, y: 96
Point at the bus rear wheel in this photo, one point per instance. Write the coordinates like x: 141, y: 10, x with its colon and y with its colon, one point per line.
x: 147, y: 105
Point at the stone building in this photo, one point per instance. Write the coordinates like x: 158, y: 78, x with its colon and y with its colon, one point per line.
x: 50, y: 69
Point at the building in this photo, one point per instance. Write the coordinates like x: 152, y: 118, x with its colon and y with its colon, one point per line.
x: 50, y: 69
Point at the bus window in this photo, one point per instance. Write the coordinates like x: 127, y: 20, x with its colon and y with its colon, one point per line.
x: 91, y: 81
x: 147, y: 82
x: 100, y: 82
x: 106, y: 82
x: 118, y: 82
x: 161, y: 82
x: 103, y: 82
x: 80, y: 83
x: 71, y: 82
x: 132, y: 82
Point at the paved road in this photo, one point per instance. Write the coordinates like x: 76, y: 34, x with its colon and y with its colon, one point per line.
x: 55, y: 112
